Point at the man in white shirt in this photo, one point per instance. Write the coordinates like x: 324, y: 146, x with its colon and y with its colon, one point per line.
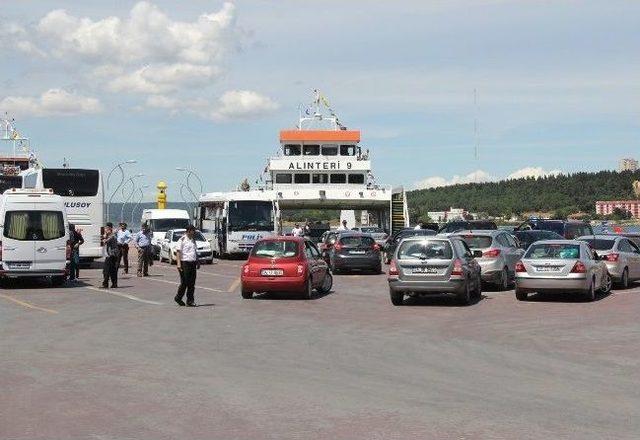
x: 343, y: 227
x: 124, y: 237
x: 297, y: 231
x: 187, y: 260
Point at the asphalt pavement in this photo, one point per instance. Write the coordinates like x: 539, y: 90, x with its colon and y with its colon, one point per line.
x: 80, y: 362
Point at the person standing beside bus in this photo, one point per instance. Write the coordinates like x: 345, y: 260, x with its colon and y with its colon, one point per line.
x: 142, y: 241
x: 187, y: 266
x: 124, y: 237
x: 75, y: 241
x: 110, y: 268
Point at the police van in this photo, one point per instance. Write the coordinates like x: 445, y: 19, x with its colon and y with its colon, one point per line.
x: 34, y: 235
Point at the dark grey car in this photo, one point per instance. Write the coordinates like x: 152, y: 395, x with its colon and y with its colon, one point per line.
x: 355, y: 251
x: 434, y: 265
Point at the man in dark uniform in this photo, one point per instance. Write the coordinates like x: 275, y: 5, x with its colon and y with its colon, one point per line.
x: 110, y: 268
x: 75, y: 241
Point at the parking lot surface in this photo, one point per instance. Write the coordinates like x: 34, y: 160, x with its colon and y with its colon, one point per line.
x: 83, y: 362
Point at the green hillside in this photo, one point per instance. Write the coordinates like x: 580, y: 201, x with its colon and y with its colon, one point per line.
x: 563, y: 194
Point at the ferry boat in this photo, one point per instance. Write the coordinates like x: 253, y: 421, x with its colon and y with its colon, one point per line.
x: 320, y: 165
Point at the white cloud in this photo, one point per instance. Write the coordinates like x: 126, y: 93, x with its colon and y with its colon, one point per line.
x: 146, y: 34
x: 163, y: 78
x: 477, y: 176
x: 53, y: 102
x: 532, y: 172
x: 480, y: 176
x: 240, y: 104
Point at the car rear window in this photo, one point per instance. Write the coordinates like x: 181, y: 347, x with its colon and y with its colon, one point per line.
x: 553, y: 251
x: 34, y: 225
x: 601, y: 244
x: 477, y: 241
x: 425, y: 250
x: 370, y: 230
x: 414, y: 233
x: 275, y: 249
x: 355, y: 241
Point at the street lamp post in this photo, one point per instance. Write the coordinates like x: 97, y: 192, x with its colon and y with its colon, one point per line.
x: 133, y: 190
x: 118, y: 166
x: 135, y: 207
x: 190, y: 173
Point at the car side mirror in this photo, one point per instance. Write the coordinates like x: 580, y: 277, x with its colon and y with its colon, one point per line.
x: 477, y: 254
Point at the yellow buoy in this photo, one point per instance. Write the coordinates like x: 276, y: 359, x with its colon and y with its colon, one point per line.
x: 161, y: 198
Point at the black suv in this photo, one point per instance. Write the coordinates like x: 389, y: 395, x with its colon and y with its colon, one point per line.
x: 569, y: 229
x: 467, y: 225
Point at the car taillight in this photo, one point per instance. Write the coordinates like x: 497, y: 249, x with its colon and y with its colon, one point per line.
x: 612, y: 257
x: 300, y: 269
x: 457, y: 267
x: 520, y: 267
x: 393, y: 269
x: 337, y: 247
x: 245, y: 269
x: 376, y: 247
x: 491, y: 253
x: 579, y: 267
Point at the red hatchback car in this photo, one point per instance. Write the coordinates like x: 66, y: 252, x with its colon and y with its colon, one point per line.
x: 285, y: 264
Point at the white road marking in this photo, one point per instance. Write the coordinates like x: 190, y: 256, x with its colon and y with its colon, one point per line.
x: 124, y: 295
x: 177, y: 284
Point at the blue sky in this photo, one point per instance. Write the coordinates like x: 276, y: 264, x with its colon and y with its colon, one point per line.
x: 557, y: 82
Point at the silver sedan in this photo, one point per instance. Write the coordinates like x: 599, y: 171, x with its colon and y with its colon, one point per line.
x: 621, y: 255
x: 559, y: 266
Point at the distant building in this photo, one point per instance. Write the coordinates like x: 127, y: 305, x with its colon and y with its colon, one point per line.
x: 607, y: 207
x: 628, y: 164
x: 446, y: 216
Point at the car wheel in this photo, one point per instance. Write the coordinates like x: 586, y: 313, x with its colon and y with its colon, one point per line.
x: 624, y: 281
x: 327, y: 284
x: 590, y: 294
x: 521, y: 295
x: 308, y: 289
x: 607, y: 284
x: 397, y: 298
x: 464, y: 298
x: 246, y: 294
x: 378, y: 270
x: 58, y: 281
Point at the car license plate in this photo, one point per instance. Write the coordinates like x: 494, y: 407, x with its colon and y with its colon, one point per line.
x: 357, y: 252
x: 425, y: 270
x: 271, y: 272
x: 547, y: 269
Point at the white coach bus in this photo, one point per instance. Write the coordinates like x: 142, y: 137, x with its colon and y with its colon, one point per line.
x: 83, y: 195
x: 234, y: 221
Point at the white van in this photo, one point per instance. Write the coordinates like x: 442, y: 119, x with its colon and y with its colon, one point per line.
x: 162, y: 220
x: 34, y: 234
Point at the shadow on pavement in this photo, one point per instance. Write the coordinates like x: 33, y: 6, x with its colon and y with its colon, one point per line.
x: 564, y: 297
x: 440, y: 301
x: 39, y: 283
x: 289, y: 296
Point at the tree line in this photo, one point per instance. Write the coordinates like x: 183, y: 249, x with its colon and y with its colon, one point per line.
x: 561, y: 194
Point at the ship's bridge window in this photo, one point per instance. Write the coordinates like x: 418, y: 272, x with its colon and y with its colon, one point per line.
x: 311, y: 150
x: 320, y: 178
x: 347, y: 150
x: 338, y: 178
x: 283, y: 178
x: 302, y: 178
x: 329, y: 150
x: 292, y: 150
x: 356, y: 178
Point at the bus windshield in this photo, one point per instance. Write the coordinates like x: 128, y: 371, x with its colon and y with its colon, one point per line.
x: 69, y: 182
x: 250, y: 216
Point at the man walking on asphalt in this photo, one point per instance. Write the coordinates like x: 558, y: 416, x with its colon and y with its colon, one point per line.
x: 142, y: 241
x: 110, y: 268
x: 75, y: 241
x: 124, y: 237
x: 187, y: 260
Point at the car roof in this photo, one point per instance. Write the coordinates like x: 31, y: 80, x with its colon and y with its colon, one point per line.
x: 599, y: 237
x: 283, y: 238
x: 486, y: 232
x: 559, y: 242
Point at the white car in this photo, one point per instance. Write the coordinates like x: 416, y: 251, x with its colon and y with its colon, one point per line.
x: 169, y: 246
